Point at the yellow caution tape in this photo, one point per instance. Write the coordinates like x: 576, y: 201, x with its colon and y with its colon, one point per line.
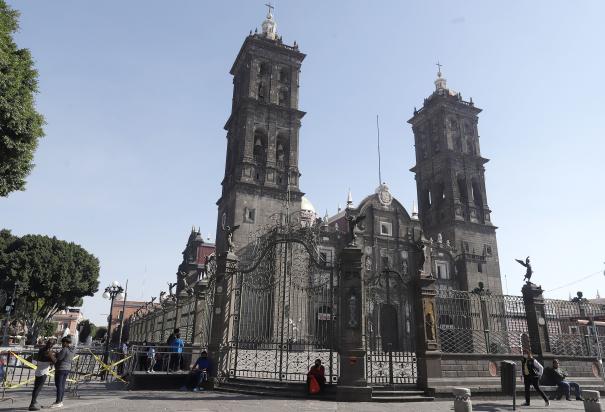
x: 109, y: 368
x: 30, y: 365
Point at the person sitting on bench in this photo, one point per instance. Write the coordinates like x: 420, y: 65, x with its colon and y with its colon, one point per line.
x: 200, y: 372
x: 559, y: 376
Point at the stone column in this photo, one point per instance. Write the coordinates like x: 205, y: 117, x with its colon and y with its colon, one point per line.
x: 428, y: 353
x: 352, y: 384
x: 219, y: 331
x: 536, y: 321
x: 201, y: 316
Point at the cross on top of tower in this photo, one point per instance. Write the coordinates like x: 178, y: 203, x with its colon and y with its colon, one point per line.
x: 438, y: 68
x: 269, y: 26
x: 440, y: 83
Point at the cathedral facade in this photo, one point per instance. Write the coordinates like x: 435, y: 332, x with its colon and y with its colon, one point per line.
x: 262, y: 174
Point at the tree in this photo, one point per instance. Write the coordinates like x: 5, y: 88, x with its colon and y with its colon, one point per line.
x: 20, y: 124
x: 49, y: 329
x: 100, y: 333
x: 53, y: 274
x: 87, y: 328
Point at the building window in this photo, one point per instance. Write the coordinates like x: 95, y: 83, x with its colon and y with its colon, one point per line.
x: 442, y: 270
x: 386, y: 229
x: 249, y: 215
x: 283, y: 75
x: 283, y: 97
x: 488, y: 250
x: 479, y: 267
x: 326, y: 256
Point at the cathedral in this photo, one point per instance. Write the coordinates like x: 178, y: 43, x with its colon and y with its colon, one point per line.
x: 262, y: 175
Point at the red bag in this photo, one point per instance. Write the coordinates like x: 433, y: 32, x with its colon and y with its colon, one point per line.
x: 313, y: 385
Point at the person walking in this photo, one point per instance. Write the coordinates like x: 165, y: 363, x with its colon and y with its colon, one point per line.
x: 532, y: 371
x: 150, y: 358
x: 62, y: 367
x: 45, y: 358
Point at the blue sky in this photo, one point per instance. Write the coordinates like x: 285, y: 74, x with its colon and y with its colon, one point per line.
x: 136, y: 93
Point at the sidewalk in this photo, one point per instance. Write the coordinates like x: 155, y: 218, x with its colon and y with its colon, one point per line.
x: 97, y: 398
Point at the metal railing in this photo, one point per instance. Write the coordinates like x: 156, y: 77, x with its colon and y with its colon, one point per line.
x: 18, y: 368
x: 479, y: 323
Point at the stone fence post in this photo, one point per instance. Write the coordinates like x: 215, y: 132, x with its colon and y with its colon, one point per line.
x: 352, y: 384
x: 536, y: 319
x: 226, y: 264
x: 427, y: 350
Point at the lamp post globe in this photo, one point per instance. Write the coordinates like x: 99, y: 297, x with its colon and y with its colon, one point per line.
x: 106, y: 295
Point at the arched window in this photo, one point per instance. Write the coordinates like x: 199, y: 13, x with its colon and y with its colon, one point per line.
x: 462, y: 190
x: 477, y: 198
x: 282, y: 151
x: 260, y: 146
x: 263, y: 69
x: 263, y: 93
x: 284, y: 75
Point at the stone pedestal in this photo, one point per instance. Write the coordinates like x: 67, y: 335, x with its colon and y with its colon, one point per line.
x: 462, y: 400
x: 592, y: 401
x: 536, y: 319
x: 352, y: 384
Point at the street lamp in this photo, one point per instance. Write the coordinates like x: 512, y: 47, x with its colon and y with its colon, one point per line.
x: 111, y: 292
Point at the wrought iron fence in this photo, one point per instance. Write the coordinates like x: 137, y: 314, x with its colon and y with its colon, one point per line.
x: 192, y: 315
x: 570, y: 331
x: 479, y: 323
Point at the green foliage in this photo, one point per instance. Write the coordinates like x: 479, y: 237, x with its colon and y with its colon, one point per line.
x: 87, y: 328
x: 49, y: 329
x: 20, y: 124
x: 100, y: 333
x: 52, y: 275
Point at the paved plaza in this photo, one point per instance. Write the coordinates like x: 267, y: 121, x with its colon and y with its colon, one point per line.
x: 99, y: 399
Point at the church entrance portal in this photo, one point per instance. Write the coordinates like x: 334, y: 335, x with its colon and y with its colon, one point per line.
x: 390, y: 332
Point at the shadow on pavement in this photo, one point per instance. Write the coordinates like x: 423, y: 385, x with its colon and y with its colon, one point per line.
x: 491, y: 407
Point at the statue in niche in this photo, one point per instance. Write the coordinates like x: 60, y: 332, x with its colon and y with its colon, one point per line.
x: 430, y: 326
x: 230, y: 244
x: 368, y: 263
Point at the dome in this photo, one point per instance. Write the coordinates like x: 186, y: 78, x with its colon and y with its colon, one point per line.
x: 269, y: 26
x: 305, y: 204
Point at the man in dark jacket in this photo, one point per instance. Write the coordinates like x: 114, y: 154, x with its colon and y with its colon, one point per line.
x: 62, y: 368
x: 558, y: 375
x: 532, y: 371
x: 45, y: 359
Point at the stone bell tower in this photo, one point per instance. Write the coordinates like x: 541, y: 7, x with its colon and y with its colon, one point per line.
x: 261, y: 167
x: 450, y: 182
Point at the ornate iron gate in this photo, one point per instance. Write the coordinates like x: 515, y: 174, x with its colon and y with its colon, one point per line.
x: 390, y: 331
x: 284, y: 303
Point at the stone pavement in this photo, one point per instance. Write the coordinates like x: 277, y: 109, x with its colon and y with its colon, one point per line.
x: 97, y: 398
